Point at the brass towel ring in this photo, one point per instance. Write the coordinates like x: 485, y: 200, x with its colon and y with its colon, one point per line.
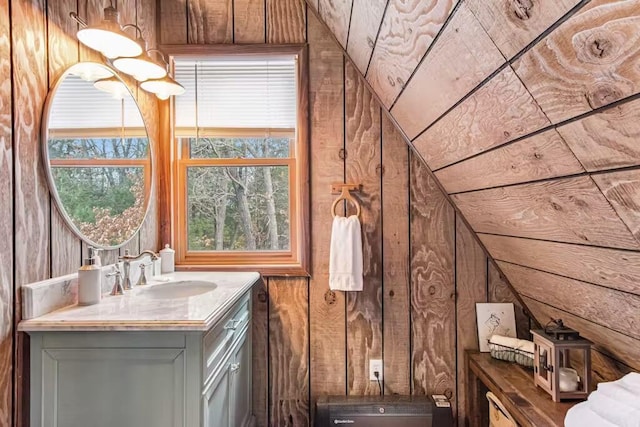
x: 345, y: 195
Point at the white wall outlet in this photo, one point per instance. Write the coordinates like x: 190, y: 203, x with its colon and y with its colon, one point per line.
x: 375, y: 365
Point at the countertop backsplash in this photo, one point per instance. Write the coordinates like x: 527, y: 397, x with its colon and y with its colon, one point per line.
x: 40, y: 298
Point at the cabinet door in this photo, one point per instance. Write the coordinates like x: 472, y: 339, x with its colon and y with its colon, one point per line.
x: 241, y: 382
x: 112, y: 387
x: 216, y: 397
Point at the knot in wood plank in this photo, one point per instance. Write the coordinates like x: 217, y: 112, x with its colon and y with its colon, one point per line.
x: 522, y: 9
x: 330, y: 297
x: 605, y: 93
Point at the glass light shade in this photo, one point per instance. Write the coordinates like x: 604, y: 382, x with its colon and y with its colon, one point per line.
x: 113, y: 86
x: 90, y: 71
x: 108, y: 37
x: 163, y: 88
x: 142, y: 67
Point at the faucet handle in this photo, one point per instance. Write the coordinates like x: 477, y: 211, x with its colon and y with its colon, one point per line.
x: 117, y: 286
x: 142, y: 280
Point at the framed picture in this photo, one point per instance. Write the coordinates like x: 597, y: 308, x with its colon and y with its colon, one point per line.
x: 494, y: 318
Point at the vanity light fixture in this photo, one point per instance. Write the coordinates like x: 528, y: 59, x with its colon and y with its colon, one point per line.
x: 113, y: 86
x: 142, y: 67
x: 165, y: 86
x: 90, y: 71
x: 108, y: 37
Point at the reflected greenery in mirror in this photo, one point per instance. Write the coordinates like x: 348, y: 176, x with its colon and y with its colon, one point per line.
x: 98, y: 158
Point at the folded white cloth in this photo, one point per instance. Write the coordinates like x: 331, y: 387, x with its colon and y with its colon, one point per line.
x: 524, y: 345
x: 345, y: 258
x: 618, y: 413
x: 581, y: 415
x: 614, y: 403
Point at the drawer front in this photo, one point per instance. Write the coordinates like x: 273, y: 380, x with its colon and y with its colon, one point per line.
x: 219, y: 340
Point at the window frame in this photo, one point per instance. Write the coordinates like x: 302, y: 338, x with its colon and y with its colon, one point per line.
x: 294, y: 262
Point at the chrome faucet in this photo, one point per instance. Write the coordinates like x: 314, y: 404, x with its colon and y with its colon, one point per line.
x: 126, y: 265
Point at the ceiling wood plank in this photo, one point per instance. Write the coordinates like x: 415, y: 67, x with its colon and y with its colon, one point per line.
x: 612, y: 268
x: 622, y: 189
x: 499, y: 112
x: 461, y: 58
x: 336, y: 14
x: 587, y: 62
x: 512, y: 25
x: 608, y: 139
x: 615, y: 344
x: 613, y: 309
x: 569, y: 210
x: 538, y: 157
x: 366, y: 19
x: 408, y: 29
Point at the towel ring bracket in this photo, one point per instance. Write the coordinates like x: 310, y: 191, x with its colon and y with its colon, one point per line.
x: 345, y: 194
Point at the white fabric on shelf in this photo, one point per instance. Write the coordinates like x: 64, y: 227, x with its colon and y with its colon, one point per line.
x: 615, y: 403
x: 581, y: 415
x: 515, y: 343
x: 345, y: 258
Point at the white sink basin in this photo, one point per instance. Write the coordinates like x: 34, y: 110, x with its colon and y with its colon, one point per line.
x: 181, y: 289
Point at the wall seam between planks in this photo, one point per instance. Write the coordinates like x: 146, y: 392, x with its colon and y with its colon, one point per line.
x: 375, y: 42
x: 487, y: 233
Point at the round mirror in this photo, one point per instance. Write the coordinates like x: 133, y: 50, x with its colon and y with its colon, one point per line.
x: 97, y: 155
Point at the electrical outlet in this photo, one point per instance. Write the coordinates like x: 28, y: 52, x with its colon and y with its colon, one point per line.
x: 375, y: 365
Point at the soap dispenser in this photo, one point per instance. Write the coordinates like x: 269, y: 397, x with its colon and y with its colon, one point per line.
x: 89, y: 281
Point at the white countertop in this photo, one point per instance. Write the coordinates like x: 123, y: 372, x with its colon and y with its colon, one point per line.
x: 136, y: 312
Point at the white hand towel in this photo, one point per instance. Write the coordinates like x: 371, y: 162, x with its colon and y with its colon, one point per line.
x: 581, y: 415
x: 345, y: 258
x: 613, y: 411
x: 621, y: 392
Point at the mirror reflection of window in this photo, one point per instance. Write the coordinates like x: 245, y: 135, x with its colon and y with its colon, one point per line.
x: 99, y: 160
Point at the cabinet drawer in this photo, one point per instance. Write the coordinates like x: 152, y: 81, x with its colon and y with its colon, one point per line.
x: 218, y: 341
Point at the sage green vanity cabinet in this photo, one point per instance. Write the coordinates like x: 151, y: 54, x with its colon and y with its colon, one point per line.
x: 145, y: 378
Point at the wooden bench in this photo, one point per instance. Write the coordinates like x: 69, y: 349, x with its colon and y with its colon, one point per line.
x: 513, y: 385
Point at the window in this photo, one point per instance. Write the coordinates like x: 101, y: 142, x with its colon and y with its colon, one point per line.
x: 241, y: 171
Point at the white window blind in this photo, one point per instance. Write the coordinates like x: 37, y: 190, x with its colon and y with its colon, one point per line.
x: 236, y: 92
x: 79, y: 105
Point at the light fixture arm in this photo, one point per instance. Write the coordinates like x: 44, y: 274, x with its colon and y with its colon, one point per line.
x: 79, y: 20
x: 138, y: 32
x: 162, y: 55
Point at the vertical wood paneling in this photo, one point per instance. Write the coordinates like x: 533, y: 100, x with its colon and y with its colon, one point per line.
x: 326, y: 308
x: 210, y: 21
x: 31, y: 196
x: 289, y: 351
x: 460, y: 59
x: 587, y: 62
x: 6, y: 222
x: 172, y: 27
x: 366, y: 18
x: 249, y: 21
x: 363, y: 165
x: 395, y: 250
x: 286, y: 21
x: 499, y: 291
x: 398, y: 51
x: 433, y: 359
x: 260, y: 353
x: 471, y: 280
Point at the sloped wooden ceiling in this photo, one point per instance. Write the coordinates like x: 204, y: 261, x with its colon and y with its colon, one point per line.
x: 527, y: 112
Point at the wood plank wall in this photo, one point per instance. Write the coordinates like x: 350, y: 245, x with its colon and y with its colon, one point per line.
x: 528, y: 114
x: 308, y: 340
x: 38, y: 38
